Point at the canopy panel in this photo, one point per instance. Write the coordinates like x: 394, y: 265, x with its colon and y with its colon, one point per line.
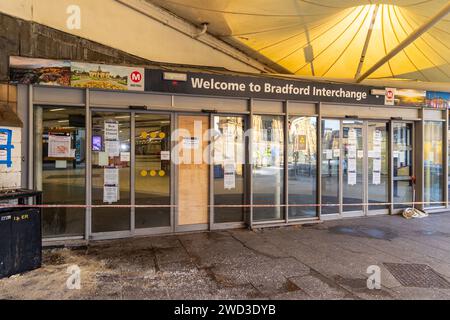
x: 328, y: 38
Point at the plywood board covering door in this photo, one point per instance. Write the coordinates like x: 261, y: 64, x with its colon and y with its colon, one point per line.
x: 193, y: 177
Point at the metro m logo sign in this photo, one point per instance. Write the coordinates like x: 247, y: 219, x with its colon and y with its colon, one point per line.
x: 136, y: 80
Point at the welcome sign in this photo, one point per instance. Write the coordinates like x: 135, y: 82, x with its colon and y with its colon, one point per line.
x: 261, y: 87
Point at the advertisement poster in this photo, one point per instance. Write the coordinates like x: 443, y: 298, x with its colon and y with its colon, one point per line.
x: 59, y: 145
x: 39, y: 71
x: 410, y: 97
x: 438, y: 100
x: 89, y: 75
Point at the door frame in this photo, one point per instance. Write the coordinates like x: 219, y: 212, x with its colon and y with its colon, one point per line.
x: 394, y: 210
x: 239, y: 224
x: 191, y: 227
x: 354, y: 213
x: 365, y: 210
x: 133, y: 231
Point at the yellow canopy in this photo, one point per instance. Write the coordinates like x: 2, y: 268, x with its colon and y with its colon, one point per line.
x: 332, y: 38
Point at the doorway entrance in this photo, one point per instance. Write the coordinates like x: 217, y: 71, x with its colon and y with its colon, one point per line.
x: 355, y: 167
x: 193, y: 173
x: 130, y: 173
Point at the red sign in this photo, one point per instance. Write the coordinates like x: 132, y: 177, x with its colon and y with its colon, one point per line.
x: 136, y: 76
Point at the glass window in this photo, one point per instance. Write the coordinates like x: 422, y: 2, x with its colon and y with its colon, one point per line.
x: 110, y: 171
x: 229, y: 160
x: 302, y: 157
x: 331, y: 154
x: 60, y: 160
x: 268, y: 167
x: 433, y: 163
x: 152, y: 170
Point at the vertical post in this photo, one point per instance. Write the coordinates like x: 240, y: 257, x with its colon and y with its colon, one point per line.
x: 285, y: 161
x: 211, y: 172
x: 445, y: 155
x: 133, y: 170
x: 173, y: 174
x: 365, y: 161
x: 88, y: 171
x: 30, y: 180
x: 340, y: 169
x: 391, y: 166
x: 250, y: 163
x: 319, y: 160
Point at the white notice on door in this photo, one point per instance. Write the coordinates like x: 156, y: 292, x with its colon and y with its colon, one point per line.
x: 110, y: 194
x: 376, y: 177
x: 351, y: 178
x: 328, y: 154
x: 376, y: 164
x: 191, y: 142
x: 229, y: 176
x: 112, y: 148
x: 111, y: 130
x: 111, y: 176
x: 125, y: 156
x: 351, y: 164
x: 165, y: 155
x: 352, y: 151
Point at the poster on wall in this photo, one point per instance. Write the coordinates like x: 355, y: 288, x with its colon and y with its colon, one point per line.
x: 59, y: 145
x: 23, y: 70
x: 101, y: 76
x: 438, y: 100
x: 39, y: 71
x: 410, y: 98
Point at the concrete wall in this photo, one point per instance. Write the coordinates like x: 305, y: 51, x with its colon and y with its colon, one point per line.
x: 123, y: 25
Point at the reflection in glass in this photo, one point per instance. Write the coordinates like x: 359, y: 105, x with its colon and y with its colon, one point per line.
x: 352, y: 166
x: 268, y: 172
x: 60, y: 159
x: 229, y: 159
x: 433, y: 163
x: 302, y: 157
x: 330, y: 166
x: 378, y: 174
x: 402, y: 164
x: 113, y: 156
x: 152, y: 170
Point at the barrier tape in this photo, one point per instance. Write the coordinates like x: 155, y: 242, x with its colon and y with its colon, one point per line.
x: 212, y: 206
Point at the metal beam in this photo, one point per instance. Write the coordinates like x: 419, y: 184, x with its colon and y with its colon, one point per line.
x: 410, y: 39
x: 366, y: 44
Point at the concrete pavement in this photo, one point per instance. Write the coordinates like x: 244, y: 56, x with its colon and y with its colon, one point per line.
x: 321, y: 261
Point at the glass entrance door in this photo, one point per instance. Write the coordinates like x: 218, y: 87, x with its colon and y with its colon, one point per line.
x: 402, y: 158
x: 131, y: 176
x: 355, y: 167
x: 353, y: 173
x: 228, y: 177
x: 378, y: 166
